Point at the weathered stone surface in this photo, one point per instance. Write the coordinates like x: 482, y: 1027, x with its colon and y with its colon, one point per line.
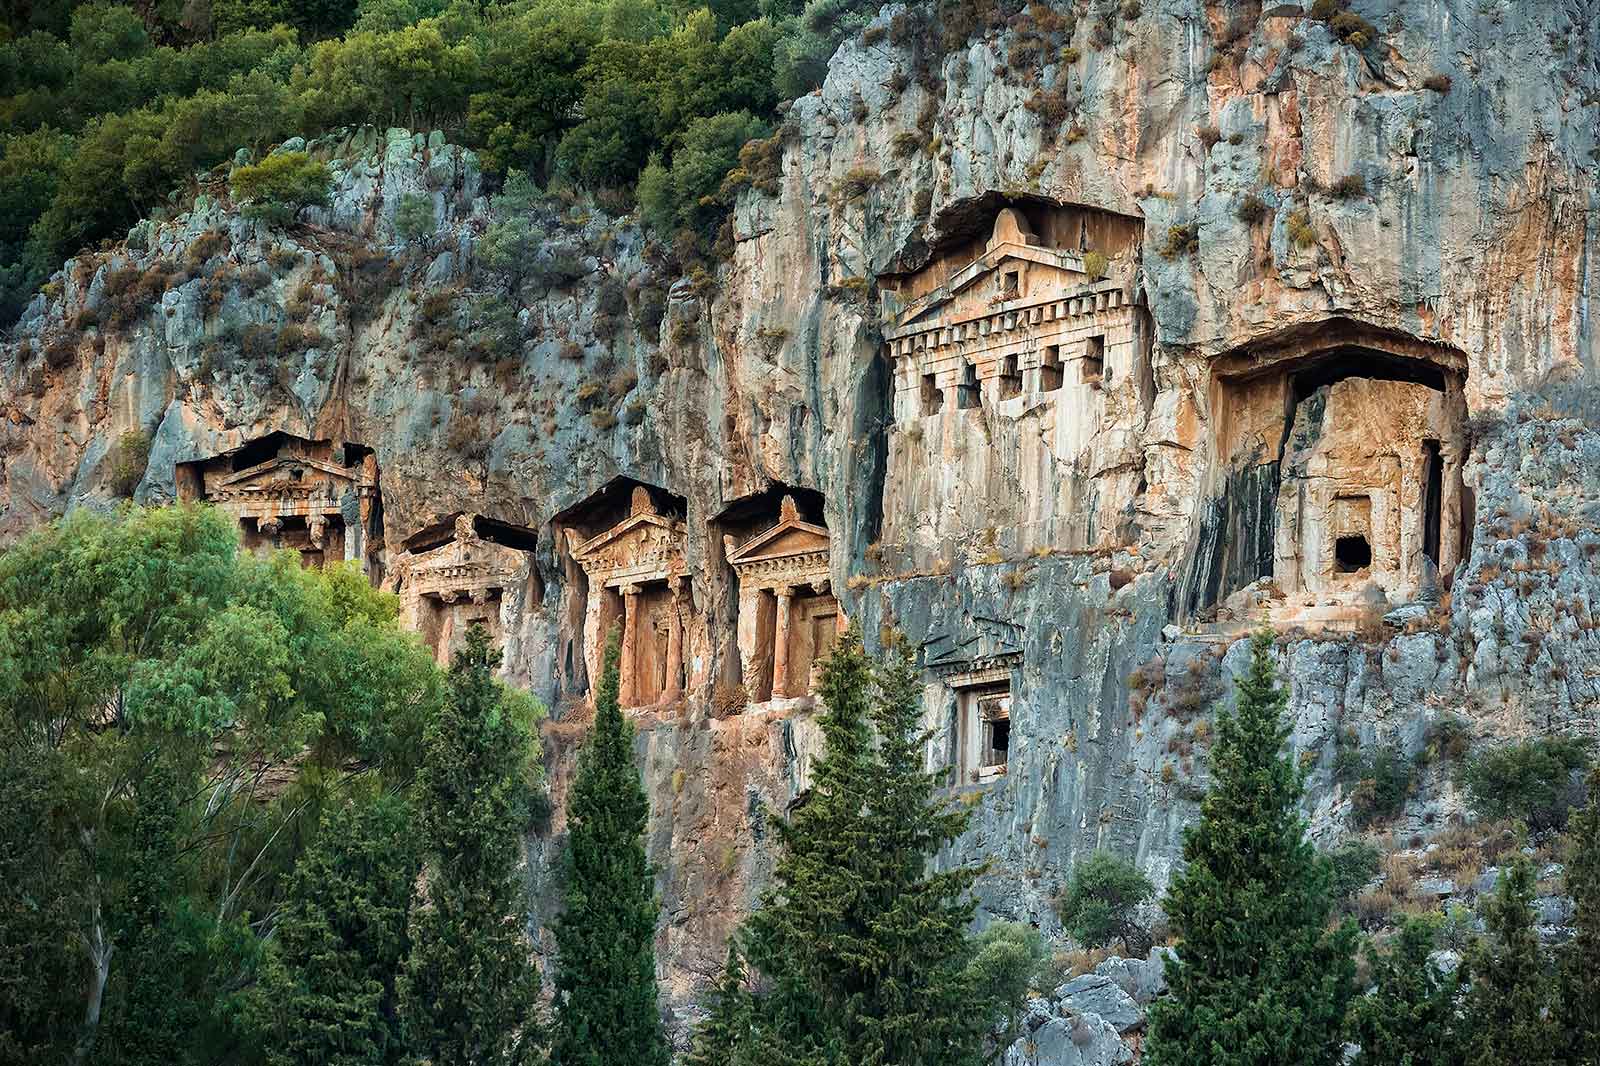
x: 1101, y: 555
x: 1101, y: 996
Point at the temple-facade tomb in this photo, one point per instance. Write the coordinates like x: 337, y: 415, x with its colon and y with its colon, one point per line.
x: 317, y: 497
x: 1020, y: 365
x: 788, y: 616
x: 458, y: 572
x: 638, y: 582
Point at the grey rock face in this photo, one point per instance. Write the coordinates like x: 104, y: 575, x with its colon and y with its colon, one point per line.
x: 1477, y: 231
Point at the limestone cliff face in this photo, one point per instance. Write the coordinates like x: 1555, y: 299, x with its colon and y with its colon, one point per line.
x: 1261, y: 225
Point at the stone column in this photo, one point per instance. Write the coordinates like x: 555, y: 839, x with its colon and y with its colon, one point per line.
x: 780, y: 643
x: 630, y: 645
x: 674, y: 685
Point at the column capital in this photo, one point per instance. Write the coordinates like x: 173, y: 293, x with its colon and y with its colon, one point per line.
x: 629, y: 590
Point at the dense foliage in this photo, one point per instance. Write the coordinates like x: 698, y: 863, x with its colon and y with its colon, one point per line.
x: 863, y: 950
x: 204, y: 763
x: 107, y: 108
x: 468, y: 993
x: 1261, y: 977
x: 606, y: 1008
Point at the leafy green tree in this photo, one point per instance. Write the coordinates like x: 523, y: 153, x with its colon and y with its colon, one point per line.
x: 327, y: 988
x: 133, y: 651
x: 723, y: 1037
x: 1508, y: 990
x: 1102, y: 904
x: 865, y: 952
x: 606, y: 987
x: 532, y: 67
x: 280, y: 185
x: 1007, y: 961
x: 688, y: 195
x: 469, y: 992
x: 102, y: 32
x: 1579, y: 958
x: 611, y: 145
x: 1259, y: 978
x: 1530, y: 780
x: 1409, y: 1019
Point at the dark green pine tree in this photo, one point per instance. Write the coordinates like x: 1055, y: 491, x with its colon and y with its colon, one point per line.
x: 606, y: 1009
x: 863, y: 950
x: 469, y: 991
x: 1259, y: 979
x: 1580, y: 956
x: 1410, y: 1017
x: 327, y: 991
x: 723, y: 1037
x: 1508, y: 991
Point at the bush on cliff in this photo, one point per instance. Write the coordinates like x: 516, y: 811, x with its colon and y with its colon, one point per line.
x: 1261, y: 978
x: 1102, y: 902
x: 1531, y: 780
x: 280, y: 185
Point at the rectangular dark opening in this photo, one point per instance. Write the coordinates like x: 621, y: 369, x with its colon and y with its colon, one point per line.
x: 969, y: 394
x: 1432, y: 499
x: 1050, y: 369
x: 1351, y: 554
x: 1011, y: 284
x: 1094, y: 360
x: 999, y: 741
x: 932, y: 396
x: 1010, y: 378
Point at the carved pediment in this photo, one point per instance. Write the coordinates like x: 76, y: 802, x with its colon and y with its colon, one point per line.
x: 791, y: 537
x: 289, y: 473
x: 978, y: 643
x: 641, y: 545
x: 1054, y: 273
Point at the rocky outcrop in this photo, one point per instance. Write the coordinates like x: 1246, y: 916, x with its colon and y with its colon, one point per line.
x: 1244, y: 208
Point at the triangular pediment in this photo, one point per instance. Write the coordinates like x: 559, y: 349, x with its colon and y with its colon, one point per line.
x: 792, y: 537
x: 1054, y: 271
x: 631, y: 531
x: 977, y: 640
x: 279, y: 470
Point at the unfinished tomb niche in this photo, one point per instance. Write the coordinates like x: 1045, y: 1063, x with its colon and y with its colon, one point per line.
x: 788, y: 617
x: 1343, y: 453
x: 317, y: 497
x: 463, y: 570
x: 975, y: 662
x: 637, y: 584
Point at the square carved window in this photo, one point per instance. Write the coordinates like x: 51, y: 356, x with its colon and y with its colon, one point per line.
x: 1050, y: 371
x: 1094, y: 361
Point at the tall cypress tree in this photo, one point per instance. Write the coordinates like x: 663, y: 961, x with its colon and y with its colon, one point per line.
x: 864, y: 950
x: 1259, y: 979
x: 469, y: 992
x: 1580, y: 956
x: 606, y: 1010
x: 1508, y: 991
x: 722, y: 1039
x: 327, y: 992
